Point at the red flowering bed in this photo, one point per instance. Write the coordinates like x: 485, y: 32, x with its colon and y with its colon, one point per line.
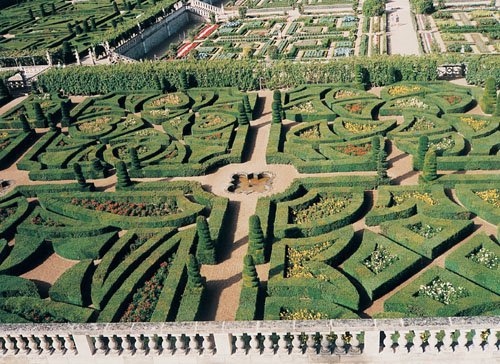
x: 145, y: 299
x: 355, y: 150
x: 129, y: 208
x: 48, y: 222
x: 6, y: 212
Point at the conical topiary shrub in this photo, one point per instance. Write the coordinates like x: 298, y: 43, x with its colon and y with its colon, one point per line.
x: 382, y: 165
x: 242, y: 115
x: 193, y: 270
x: 276, y: 113
x: 39, y: 115
x: 489, y: 98
x: 250, y: 277
x: 256, y: 242
x: 65, y: 113
x: 430, y: 166
x: 375, y: 148
x: 247, y: 106
x: 497, y: 110
x: 423, y: 147
x: 77, y: 169
x: 134, y: 158
x: 277, y: 99
x: 205, y: 251
x: 183, y: 80
x: 52, y: 122
x: 122, y: 175
x: 25, y: 124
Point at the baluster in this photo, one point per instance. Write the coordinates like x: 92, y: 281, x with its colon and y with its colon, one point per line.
x: 208, y: 345
x: 166, y: 345
x: 476, y: 342
x: 447, y: 342
x: 153, y: 346
x: 180, y: 344
x: 194, y: 345
x: 99, y: 344
x: 297, y: 344
x: 403, y: 346
x: 311, y: 344
x: 492, y: 340
x: 461, y: 342
x: 417, y: 343
x: 339, y: 344
x: 140, y: 347
x: 354, y: 344
x: 33, y: 345
x: 114, y: 346
x: 325, y: 344
x: 21, y: 345
x: 58, y: 345
x: 268, y: 344
x: 128, y: 349
x: 432, y: 342
x: 282, y: 344
x: 240, y: 344
x: 46, y: 345
x: 255, y: 344
x: 69, y: 344
x: 3, y: 350
x: 10, y: 344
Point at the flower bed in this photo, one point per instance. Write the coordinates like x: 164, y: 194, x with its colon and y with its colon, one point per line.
x: 344, y: 94
x: 401, y: 90
x: 485, y: 257
x: 400, y: 197
x: 442, y: 144
x: 452, y: 99
x: 491, y: 196
x: 305, y: 107
x: 46, y: 222
x: 129, y: 208
x: 425, y: 230
x: 302, y: 314
x: 311, y: 133
x: 475, y: 124
x: 412, y: 103
x: 442, y: 291
x: 5, y: 212
x: 145, y: 299
x: 354, y: 150
x: 92, y: 127
x: 420, y: 124
x: 297, y: 257
x: 357, y: 128
x: 379, y: 259
x: 325, y: 207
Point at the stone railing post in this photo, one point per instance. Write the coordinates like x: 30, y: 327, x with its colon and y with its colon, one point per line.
x: 84, y: 345
x: 223, y: 344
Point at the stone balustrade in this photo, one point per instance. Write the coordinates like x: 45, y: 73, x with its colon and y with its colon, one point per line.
x: 472, y: 339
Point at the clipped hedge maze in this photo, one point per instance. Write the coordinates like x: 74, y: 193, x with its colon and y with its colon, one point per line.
x: 174, y: 134
x: 130, y: 248
x: 325, y: 264
x: 330, y: 127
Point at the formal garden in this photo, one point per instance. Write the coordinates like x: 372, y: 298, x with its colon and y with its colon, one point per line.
x: 392, y: 209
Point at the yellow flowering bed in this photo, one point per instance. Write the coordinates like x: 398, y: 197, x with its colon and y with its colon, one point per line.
x: 359, y: 128
x: 170, y: 99
x: 325, y: 207
x: 475, y: 124
x: 491, y: 196
x: 425, y: 197
x: 302, y: 314
x: 402, y: 90
x: 159, y: 112
x: 344, y: 94
x: 311, y: 133
x: 296, y: 259
x: 4, y: 135
x: 306, y: 107
x: 94, y: 126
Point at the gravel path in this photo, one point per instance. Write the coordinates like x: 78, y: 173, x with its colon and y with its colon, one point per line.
x: 402, y: 34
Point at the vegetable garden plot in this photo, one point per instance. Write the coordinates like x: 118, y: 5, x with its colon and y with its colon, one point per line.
x: 137, y: 274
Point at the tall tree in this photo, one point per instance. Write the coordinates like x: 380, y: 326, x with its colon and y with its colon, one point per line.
x: 256, y: 242
x: 67, y: 52
x: 206, y: 251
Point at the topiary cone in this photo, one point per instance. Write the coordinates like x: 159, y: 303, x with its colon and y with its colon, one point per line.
x: 423, y: 147
x: 134, y: 158
x: 25, y: 124
x: 430, y: 166
x: 193, y: 270
x: 256, y: 242
x: 250, y: 277
x: 122, y: 175
x: 205, y: 251
x: 77, y: 169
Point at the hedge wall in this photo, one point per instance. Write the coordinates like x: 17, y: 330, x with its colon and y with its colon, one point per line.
x: 246, y: 74
x: 70, y: 286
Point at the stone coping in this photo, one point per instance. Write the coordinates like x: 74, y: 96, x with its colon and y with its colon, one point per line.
x: 238, y: 327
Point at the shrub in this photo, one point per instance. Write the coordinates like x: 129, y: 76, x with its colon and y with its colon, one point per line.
x: 12, y: 286
x: 430, y: 166
x: 423, y: 147
x: 134, y: 158
x: 250, y: 278
x: 276, y: 113
x: 256, y: 242
x: 423, y: 6
x: 195, y: 279
x: 70, y: 286
x: 242, y: 115
x: 39, y: 115
x: 205, y: 251
x: 122, y: 176
x: 77, y: 169
x: 373, y: 8
x: 490, y: 96
x: 25, y: 124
